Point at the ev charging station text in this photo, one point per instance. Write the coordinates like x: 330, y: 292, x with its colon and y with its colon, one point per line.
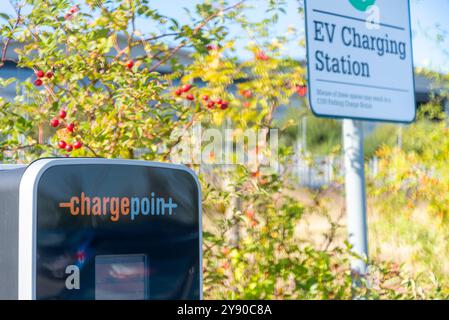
x: 350, y: 37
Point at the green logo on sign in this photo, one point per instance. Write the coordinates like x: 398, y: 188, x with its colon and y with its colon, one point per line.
x: 362, y: 5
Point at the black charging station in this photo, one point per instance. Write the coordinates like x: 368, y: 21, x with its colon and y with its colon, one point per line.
x: 81, y: 228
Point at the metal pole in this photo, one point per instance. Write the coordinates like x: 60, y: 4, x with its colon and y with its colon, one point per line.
x: 446, y: 109
x: 400, y: 137
x: 304, y: 134
x: 355, y: 193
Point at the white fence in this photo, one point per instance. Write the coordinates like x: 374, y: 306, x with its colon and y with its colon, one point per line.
x: 318, y: 172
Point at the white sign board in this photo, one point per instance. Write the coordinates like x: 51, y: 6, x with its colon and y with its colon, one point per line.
x: 360, y: 59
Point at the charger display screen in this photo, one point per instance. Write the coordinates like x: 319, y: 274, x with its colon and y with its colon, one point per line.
x: 121, y: 277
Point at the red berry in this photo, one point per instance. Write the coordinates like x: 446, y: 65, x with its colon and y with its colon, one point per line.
x: 49, y: 74
x: 178, y: 92
x: 69, y: 148
x: 219, y: 101
x: 247, y: 104
x: 54, y: 122
x: 71, y: 127
x: 130, y: 64
x: 211, y: 104
x: 186, y: 88
x: 301, y: 90
x: 225, y: 251
x: 262, y: 56
x: 38, y: 82
x: 190, y: 97
x: 247, y: 94
x: 77, y: 144
x: 224, y: 105
x: 40, y: 73
x: 62, y: 114
x: 206, y: 97
x: 211, y: 47
x: 62, y: 144
x: 74, y: 9
x: 250, y: 214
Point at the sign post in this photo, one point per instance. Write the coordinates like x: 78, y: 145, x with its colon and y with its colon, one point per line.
x: 355, y: 193
x: 360, y: 68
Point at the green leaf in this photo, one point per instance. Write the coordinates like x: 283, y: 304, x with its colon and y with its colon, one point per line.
x: 4, y: 16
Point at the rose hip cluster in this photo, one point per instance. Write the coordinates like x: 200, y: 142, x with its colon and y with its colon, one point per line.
x: 219, y: 103
x: 208, y: 102
x: 69, y: 127
x: 247, y: 94
x: 42, y: 75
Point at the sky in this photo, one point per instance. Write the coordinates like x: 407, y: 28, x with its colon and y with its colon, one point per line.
x: 428, y: 16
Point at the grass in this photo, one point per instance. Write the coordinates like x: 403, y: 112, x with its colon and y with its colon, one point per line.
x: 417, y: 240
x: 414, y: 239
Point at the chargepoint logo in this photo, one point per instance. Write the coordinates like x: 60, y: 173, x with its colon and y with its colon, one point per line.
x: 362, y: 5
x: 116, y: 207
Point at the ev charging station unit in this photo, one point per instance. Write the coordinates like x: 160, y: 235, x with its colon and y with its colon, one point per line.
x: 85, y: 229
